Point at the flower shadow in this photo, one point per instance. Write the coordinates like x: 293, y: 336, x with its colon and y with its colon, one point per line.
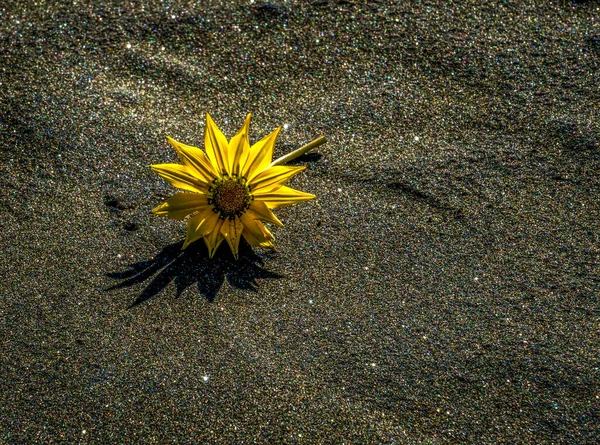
x: 192, y: 266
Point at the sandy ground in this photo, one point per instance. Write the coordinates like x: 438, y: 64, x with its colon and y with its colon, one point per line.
x: 443, y: 288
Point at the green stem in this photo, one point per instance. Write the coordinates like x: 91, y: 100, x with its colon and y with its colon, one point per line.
x: 299, y: 152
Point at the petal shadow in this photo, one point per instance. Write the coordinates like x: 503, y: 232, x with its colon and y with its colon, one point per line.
x: 192, y: 266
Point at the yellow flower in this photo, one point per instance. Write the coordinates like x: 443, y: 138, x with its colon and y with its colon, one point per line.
x: 229, y: 190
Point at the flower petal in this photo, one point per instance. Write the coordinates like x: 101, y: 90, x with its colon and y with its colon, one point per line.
x: 194, y: 158
x: 256, y: 233
x: 260, y: 155
x: 180, y: 176
x: 282, y: 196
x: 216, y: 146
x: 261, y: 212
x: 232, y: 231
x: 181, y: 205
x: 200, y: 225
x: 239, y: 147
x: 214, y: 239
x: 276, y: 175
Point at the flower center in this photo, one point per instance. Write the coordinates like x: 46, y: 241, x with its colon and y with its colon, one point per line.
x: 229, y: 196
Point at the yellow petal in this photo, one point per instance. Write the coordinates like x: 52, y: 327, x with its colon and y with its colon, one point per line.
x: 274, y: 176
x: 200, y: 225
x: 214, y: 239
x: 181, y: 205
x: 216, y: 146
x: 180, y: 176
x: 256, y: 233
x: 282, y: 196
x: 260, y: 155
x: 261, y: 212
x: 232, y: 231
x: 196, y: 159
x: 239, y: 146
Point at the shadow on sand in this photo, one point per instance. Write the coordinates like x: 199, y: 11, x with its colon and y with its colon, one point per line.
x: 192, y: 266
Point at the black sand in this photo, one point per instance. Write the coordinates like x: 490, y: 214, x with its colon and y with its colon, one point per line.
x: 442, y: 289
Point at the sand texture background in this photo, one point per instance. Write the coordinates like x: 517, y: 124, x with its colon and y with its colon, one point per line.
x: 443, y: 288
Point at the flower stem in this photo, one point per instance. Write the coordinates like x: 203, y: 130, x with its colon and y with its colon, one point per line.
x: 299, y: 152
